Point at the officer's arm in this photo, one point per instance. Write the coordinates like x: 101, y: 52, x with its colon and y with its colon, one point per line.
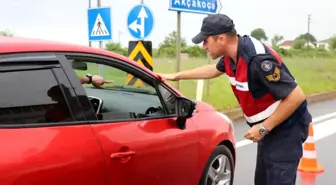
x: 203, y: 72
x: 282, y: 86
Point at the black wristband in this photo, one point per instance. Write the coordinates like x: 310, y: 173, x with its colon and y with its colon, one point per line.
x: 90, y: 78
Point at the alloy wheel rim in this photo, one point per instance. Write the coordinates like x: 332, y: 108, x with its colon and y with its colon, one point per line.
x: 219, y: 172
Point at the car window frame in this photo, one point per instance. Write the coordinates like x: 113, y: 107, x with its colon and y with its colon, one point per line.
x: 121, y: 65
x: 15, y: 62
x: 164, y: 86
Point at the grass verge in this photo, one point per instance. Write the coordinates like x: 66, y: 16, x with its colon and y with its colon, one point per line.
x: 314, y: 75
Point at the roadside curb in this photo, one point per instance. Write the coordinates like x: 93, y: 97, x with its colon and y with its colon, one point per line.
x: 236, y: 113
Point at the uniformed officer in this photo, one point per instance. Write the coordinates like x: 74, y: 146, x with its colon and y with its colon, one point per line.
x: 274, y: 105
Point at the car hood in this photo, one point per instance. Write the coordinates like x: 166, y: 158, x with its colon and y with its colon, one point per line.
x: 202, y: 106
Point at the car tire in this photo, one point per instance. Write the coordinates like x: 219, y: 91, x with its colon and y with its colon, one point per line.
x: 220, y: 152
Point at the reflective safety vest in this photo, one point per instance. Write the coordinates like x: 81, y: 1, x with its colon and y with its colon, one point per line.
x: 255, y: 110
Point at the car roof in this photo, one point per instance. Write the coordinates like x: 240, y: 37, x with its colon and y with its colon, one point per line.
x: 23, y: 45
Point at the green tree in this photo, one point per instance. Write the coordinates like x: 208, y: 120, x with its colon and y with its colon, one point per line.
x: 6, y: 33
x: 259, y: 34
x: 168, y: 46
x: 276, y: 39
x: 299, y: 43
x: 170, y: 41
x: 332, y: 42
x: 196, y: 51
x: 116, y: 48
x: 307, y: 37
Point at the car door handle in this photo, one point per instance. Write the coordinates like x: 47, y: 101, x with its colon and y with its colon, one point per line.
x: 120, y: 155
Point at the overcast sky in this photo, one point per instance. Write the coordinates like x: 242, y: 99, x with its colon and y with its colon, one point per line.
x: 66, y: 20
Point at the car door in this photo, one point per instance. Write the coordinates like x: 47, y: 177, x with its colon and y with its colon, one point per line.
x: 148, y: 151
x: 139, y: 149
x: 41, y: 139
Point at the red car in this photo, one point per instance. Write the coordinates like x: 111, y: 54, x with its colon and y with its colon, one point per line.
x: 54, y: 130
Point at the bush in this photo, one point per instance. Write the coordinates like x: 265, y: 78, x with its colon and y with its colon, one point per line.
x: 306, y: 52
x: 196, y: 51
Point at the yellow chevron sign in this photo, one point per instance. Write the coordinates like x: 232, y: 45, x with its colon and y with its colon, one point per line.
x: 141, y: 52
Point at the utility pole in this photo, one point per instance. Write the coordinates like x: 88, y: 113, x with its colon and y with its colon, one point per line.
x: 178, y: 47
x: 89, y: 33
x: 100, y: 67
x: 308, y: 33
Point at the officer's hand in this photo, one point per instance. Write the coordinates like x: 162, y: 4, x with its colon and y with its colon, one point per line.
x: 253, y: 134
x: 171, y: 77
x: 99, y: 81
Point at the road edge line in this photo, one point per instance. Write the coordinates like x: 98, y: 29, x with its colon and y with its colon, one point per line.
x: 316, y: 121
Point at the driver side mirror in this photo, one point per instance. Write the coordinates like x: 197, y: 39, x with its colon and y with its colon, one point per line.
x: 185, y: 109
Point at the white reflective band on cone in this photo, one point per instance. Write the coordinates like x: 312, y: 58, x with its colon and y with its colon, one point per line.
x: 310, y: 139
x: 309, y: 154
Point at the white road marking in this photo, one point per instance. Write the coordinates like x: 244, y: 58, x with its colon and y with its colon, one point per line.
x: 321, y: 130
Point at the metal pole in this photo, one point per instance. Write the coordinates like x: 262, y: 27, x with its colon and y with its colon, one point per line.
x: 100, y: 67
x: 208, y: 80
x: 142, y: 1
x: 89, y: 33
x: 308, y: 31
x: 119, y: 32
x: 178, y: 46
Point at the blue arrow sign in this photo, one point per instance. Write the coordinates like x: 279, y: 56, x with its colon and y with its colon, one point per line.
x: 196, y: 6
x: 140, y: 22
x: 99, y: 24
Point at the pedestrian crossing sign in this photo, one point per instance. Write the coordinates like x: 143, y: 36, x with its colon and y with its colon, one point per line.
x: 99, y: 24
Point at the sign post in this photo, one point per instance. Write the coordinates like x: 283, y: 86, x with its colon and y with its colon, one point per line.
x: 140, y: 23
x: 89, y: 8
x: 99, y: 26
x: 178, y: 47
x: 198, y: 7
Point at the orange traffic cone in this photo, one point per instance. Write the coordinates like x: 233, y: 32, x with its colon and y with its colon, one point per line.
x: 308, y: 162
x: 308, y: 178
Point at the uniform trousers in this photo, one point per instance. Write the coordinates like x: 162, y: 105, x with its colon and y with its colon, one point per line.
x: 279, y: 154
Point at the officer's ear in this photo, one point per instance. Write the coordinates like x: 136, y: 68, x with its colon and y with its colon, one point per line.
x: 221, y: 39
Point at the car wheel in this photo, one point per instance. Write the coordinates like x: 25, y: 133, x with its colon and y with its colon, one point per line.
x: 219, y: 169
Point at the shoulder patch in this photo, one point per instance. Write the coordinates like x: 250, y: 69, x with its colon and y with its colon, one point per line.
x: 266, y: 66
x: 275, y: 76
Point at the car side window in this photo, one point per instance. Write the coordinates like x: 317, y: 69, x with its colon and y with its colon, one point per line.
x: 31, y: 96
x: 127, y: 97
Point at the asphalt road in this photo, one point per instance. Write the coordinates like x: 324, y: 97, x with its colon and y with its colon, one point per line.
x: 324, y: 117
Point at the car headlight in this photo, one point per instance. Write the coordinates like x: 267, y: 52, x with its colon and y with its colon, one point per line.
x: 228, y: 120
